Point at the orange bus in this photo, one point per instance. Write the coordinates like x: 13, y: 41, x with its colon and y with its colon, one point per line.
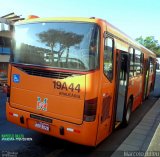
x: 76, y: 78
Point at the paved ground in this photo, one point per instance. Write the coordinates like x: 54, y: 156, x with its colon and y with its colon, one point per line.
x: 10, y: 128
x: 146, y: 136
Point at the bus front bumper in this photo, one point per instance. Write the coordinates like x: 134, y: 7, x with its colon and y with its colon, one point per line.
x: 84, y: 134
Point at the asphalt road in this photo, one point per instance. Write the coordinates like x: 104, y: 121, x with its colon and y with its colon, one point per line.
x: 47, y: 146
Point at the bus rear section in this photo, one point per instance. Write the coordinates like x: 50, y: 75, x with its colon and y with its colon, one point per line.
x: 52, y: 80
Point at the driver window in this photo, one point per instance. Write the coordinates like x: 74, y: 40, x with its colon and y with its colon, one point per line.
x: 108, y: 58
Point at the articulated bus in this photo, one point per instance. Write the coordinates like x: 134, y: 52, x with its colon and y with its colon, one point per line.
x: 76, y: 78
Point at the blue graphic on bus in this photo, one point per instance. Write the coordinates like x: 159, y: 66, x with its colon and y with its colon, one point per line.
x: 16, y: 78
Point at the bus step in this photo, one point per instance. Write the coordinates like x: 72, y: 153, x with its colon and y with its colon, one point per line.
x: 117, y: 124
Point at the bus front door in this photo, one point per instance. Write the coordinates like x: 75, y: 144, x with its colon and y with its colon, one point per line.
x: 147, y: 69
x: 122, y: 77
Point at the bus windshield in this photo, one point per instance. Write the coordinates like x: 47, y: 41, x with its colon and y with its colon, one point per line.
x: 62, y: 45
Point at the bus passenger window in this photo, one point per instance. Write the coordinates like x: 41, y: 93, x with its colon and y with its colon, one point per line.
x: 142, y: 60
x: 131, y: 71
x: 137, y: 63
x: 108, y: 58
x: 151, y: 65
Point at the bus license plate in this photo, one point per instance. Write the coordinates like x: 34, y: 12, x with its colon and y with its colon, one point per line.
x: 42, y: 126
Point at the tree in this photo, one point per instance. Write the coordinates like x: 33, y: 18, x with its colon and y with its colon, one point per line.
x: 151, y: 43
x: 64, y: 39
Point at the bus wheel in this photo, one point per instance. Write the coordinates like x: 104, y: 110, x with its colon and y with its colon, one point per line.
x: 127, y: 113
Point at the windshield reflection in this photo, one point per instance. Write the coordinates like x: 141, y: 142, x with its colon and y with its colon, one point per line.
x: 59, y: 45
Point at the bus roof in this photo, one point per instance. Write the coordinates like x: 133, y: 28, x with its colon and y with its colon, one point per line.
x: 61, y: 19
x: 128, y: 39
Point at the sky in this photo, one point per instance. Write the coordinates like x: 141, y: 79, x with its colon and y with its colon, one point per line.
x: 134, y: 17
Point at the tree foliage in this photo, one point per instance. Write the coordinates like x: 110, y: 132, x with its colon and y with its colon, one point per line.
x: 65, y: 40
x: 151, y: 43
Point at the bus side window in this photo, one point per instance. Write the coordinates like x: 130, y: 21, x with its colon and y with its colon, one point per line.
x: 137, y: 63
x: 108, y: 58
x: 151, y: 65
x: 131, y: 71
x: 142, y: 60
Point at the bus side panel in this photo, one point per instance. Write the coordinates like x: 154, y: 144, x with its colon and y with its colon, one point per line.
x: 105, y: 107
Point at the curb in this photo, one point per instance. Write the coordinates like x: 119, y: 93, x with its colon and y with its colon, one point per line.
x: 146, y: 136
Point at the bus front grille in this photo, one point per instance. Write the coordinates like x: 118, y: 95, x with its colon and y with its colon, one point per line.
x: 45, y: 73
